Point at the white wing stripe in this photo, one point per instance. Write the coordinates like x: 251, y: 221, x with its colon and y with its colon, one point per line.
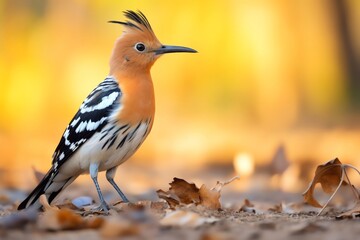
x: 105, y: 102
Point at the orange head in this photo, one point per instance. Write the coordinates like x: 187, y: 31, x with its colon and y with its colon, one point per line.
x: 138, y: 48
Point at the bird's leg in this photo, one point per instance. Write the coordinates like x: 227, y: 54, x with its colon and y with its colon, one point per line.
x: 94, y: 167
x: 110, y: 177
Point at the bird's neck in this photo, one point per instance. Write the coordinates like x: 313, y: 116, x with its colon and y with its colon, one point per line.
x: 137, y: 101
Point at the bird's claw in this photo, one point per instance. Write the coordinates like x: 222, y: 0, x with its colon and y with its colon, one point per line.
x: 103, y: 208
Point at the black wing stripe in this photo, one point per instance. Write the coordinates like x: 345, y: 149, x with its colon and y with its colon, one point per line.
x: 92, y: 116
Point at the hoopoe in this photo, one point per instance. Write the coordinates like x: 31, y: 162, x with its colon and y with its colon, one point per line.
x: 115, y: 118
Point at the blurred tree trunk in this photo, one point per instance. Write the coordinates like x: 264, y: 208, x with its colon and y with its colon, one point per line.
x: 351, y: 60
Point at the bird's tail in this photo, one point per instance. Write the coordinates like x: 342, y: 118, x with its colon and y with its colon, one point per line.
x: 50, y: 186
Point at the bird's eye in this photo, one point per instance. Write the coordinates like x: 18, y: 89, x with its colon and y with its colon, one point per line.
x: 140, y: 47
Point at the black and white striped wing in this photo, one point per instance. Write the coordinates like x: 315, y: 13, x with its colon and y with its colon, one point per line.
x: 92, y: 116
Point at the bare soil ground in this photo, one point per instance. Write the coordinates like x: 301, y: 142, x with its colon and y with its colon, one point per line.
x: 153, y: 220
x: 268, y: 214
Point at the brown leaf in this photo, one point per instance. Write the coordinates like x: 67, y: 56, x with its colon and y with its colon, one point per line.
x: 182, y: 192
x: 56, y: 219
x: 186, y: 192
x: 67, y: 219
x: 169, y: 198
x: 329, y: 176
x: 209, y: 198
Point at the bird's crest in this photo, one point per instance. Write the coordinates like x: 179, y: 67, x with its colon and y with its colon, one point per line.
x: 136, y: 20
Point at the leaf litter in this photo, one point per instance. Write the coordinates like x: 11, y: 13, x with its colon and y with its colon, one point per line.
x: 184, y: 205
x: 182, y: 192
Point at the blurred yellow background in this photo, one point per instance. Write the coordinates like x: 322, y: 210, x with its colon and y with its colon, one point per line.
x: 267, y: 73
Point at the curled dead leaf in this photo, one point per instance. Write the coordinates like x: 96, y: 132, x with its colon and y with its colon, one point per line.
x: 331, y: 176
x: 170, y: 198
x: 209, y: 198
x: 185, y: 191
x: 182, y: 192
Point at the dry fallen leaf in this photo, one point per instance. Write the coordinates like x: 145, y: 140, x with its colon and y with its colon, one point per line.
x: 169, y: 198
x: 209, y: 198
x: 185, y: 218
x: 186, y: 192
x: 56, y: 219
x: 182, y: 192
x: 331, y: 176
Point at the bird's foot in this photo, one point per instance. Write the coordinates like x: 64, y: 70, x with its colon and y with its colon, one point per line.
x: 103, y: 208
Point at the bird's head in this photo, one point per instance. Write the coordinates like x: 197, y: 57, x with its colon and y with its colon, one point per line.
x: 138, y: 47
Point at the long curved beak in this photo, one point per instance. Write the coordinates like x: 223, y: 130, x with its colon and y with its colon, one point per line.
x: 173, y: 49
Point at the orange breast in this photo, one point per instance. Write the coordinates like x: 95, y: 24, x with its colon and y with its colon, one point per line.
x: 137, y: 100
